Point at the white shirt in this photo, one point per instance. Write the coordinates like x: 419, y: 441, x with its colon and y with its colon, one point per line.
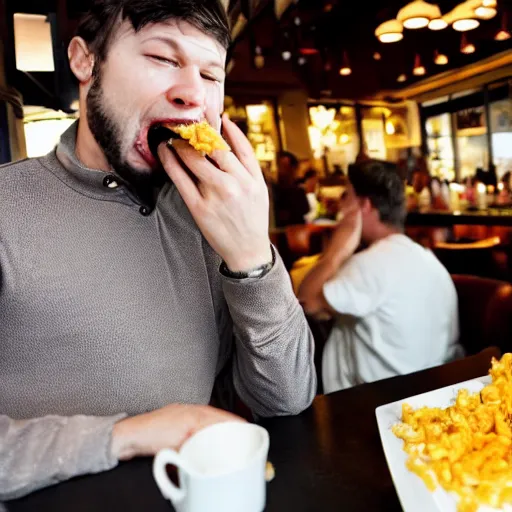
x: 313, y: 207
x: 398, y: 314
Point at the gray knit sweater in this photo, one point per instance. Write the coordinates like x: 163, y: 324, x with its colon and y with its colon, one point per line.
x: 108, y: 310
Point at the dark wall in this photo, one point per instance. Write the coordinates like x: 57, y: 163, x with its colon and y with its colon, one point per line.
x: 5, y: 150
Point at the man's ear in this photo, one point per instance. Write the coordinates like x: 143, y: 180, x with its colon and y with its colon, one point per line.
x: 366, y: 205
x: 81, y: 60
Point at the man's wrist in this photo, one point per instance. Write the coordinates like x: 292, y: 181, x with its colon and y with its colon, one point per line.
x: 123, y: 445
x: 250, y: 263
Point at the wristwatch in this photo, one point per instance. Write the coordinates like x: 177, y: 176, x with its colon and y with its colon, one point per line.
x: 257, y: 272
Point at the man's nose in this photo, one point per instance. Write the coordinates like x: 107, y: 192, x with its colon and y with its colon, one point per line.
x: 188, y: 90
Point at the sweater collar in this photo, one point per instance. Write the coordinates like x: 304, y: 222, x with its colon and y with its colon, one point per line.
x: 91, y: 182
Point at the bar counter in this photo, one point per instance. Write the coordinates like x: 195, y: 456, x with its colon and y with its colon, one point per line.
x: 488, y: 217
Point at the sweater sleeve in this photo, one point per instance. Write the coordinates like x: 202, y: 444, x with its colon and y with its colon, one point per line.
x: 274, y: 372
x: 40, y: 452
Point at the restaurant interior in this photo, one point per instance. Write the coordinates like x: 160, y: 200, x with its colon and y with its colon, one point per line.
x: 328, y: 81
x: 426, y: 86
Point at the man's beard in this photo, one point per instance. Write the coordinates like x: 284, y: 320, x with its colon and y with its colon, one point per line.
x: 144, y: 184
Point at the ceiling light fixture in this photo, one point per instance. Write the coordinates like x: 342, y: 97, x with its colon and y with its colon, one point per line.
x: 419, y: 69
x: 259, y: 59
x: 440, y: 59
x: 308, y: 50
x: 390, y: 128
x: 485, y: 12
x: 301, y: 61
x: 377, y: 56
x: 503, y: 34
x: 465, y: 46
x: 390, y: 31
x: 438, y: 24
x: 418, y: 14
x: 402, y: 78
x: 33, y: 43
x: 463, y: 17
x: 287, y: 55
x: 345, y: 69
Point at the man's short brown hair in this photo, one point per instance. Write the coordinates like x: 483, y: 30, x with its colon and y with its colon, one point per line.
x: 380, y: 182
x: 99, y: 24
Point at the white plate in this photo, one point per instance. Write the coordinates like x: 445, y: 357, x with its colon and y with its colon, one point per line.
x: 412, y: 492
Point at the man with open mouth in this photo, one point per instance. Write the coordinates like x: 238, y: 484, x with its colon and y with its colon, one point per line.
x: 138, y: 276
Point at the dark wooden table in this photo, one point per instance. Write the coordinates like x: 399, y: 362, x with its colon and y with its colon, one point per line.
x: 327, y: 459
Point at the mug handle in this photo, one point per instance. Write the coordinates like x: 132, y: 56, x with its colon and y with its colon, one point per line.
x: 167, y: 488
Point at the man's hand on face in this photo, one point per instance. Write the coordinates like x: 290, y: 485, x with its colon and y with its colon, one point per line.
x: 347, y: 235
x: 230, y: 202
x: 169, y: 427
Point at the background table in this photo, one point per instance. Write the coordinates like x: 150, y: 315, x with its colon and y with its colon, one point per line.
x: 329, y: 458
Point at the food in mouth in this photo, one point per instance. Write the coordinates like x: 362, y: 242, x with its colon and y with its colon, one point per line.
x: 201, y: 136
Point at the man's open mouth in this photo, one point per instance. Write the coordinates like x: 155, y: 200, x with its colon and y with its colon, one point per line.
x: 161, y: 131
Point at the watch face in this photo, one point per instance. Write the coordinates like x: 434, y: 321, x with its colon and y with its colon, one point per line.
x: 255, y: 273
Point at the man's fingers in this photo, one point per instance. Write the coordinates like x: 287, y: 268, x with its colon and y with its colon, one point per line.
x: 229, y: 163
x: 240, y: 146
x: 198, y: 165
x: 184, y: 183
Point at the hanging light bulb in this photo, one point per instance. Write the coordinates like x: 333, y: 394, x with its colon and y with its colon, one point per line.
x: 390, y: 31
x: 402, y: 78
x: 465, y: 46
x: 390, y: 128
x: 440, y: 59
x: 301, y: 61
x: 503, y: 34
x: 259, y: 59
x: 286, y: 53
x: 377, y: 56
x: 419, y: 69
x: 345, y: 69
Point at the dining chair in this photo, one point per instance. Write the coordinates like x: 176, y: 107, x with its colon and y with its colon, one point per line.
x: 469, y: 257
x: 485, y: 313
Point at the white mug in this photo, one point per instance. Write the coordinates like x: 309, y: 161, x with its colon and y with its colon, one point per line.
x: 221, y: 469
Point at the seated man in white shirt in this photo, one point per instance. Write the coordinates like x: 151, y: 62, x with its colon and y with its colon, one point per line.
x: 395, y: 304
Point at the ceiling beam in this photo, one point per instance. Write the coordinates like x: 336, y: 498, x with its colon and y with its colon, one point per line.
x: 474, y: 75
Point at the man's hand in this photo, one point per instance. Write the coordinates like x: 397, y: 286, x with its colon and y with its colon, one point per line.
x: 169, y: 427
x: 229, y: 204
x: 347, y: 236
x: 344, y: 242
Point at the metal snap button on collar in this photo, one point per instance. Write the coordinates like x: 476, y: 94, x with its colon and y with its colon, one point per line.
x: 110, y: 182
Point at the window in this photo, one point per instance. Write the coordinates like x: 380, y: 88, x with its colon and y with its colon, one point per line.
x: 441, y: 160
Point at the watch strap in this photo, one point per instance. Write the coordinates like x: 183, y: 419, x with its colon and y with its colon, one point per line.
x: 257, y: 272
